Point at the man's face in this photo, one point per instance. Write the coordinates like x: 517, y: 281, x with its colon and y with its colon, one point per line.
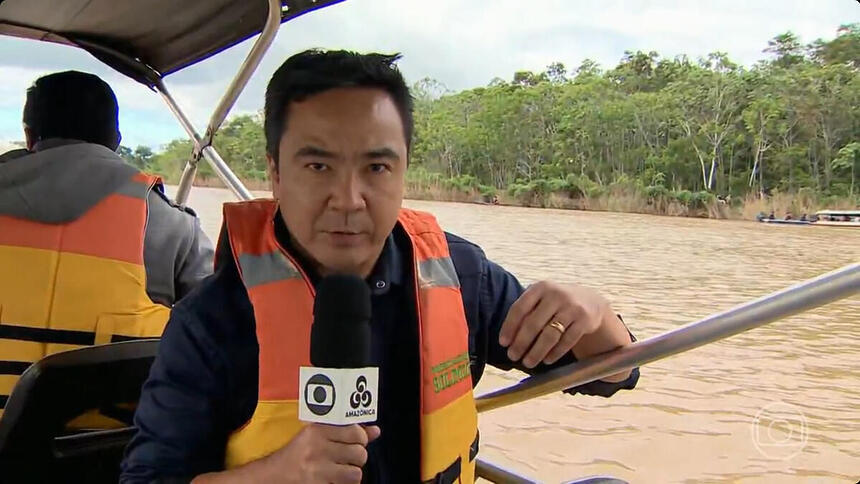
x: 342, y: 161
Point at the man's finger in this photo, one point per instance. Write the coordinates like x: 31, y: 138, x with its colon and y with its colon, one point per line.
x: 340, y: 474
x: 547, y: 339
x: 373, y: 432
x: 571, y: 336
x: 531, y: 327
x: 347, y: 434
x: 518, y: 310
x: 348, y: 454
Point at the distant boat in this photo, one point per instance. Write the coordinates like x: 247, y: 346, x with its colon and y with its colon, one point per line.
x: 829, y: 218
x: 838, y: 218
x: 784, y: 221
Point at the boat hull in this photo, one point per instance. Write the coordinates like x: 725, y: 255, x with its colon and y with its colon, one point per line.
x: 785, y: 222
x: 837, y: 224
x: 826, y: 223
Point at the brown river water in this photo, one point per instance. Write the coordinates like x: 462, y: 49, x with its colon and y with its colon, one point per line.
x: 771, y: 405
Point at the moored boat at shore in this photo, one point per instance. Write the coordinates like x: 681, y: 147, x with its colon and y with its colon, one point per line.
x: 838, y: 218
x: 829, y: 218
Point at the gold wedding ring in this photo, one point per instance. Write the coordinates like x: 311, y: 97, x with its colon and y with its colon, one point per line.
x: 557, y: 326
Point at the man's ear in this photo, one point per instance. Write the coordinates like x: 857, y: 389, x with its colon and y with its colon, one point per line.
x: 274, y: 174
x: 30, y: 138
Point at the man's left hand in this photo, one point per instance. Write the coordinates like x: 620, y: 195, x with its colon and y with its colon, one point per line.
x: 549, y: 320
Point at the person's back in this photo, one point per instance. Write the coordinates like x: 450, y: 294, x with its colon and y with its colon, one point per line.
x: 91, y: 250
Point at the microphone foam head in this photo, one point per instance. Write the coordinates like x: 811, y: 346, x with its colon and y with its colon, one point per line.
x: 341, y: 298
x: 340, y: 335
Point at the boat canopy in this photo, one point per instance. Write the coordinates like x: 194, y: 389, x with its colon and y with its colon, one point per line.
x: 841, y: 213
x: 145, y: 39
x: 149, y: 39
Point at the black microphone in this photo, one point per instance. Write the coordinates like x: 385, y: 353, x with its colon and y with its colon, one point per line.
x: 341, y: 387
x: 340, y: 335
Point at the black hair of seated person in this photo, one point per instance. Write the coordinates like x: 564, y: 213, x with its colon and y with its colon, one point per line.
x: 72, y: 105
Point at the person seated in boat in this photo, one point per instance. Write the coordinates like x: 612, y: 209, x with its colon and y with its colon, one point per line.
x: 771, y: 216
x: 220, y: 400
x: 804, y: 218
x: 91, y: 249
x: 788, y: 216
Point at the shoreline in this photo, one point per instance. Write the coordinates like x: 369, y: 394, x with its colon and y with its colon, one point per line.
x: 740, y: 210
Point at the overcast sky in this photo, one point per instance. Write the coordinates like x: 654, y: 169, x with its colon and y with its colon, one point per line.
x: 463, y: 44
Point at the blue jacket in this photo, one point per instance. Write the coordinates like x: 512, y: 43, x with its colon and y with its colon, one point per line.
x: 203, y: 384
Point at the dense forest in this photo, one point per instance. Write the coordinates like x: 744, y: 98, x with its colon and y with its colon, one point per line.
x: 652, y: 134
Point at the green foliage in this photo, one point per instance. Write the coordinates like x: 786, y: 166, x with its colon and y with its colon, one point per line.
x: 669, y: 130
x: 687, y: 126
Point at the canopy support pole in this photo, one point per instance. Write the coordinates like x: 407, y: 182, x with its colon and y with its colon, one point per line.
x: 203, y: 145
x: 215, y: 161
x: 839, y: 284
x: 252, y: 61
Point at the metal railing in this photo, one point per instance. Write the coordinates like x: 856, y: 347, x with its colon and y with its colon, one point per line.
x: 839, y: 284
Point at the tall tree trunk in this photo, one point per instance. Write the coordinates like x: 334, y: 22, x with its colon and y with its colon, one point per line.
x: 853, y: 166
x: 731, y: 169
x: 790, y: 175
x: 712, y: 174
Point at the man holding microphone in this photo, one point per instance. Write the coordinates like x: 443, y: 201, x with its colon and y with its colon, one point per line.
x: 222, y: 400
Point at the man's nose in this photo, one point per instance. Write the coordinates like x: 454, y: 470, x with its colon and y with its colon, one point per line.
x: 348, y: 193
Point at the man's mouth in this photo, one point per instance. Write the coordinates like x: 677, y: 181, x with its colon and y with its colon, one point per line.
x: 344, y: 237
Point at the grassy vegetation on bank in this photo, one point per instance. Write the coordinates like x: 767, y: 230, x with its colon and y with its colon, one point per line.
x: 579, y: 193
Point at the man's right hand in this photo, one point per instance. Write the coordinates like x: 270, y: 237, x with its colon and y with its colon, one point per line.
x: 317, y: 454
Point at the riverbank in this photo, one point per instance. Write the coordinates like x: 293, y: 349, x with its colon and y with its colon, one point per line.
x: 627, y: 198
x: 623, y: 199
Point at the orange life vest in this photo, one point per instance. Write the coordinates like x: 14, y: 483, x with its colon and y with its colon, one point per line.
x: 65, y: 286
x: 282, y: 297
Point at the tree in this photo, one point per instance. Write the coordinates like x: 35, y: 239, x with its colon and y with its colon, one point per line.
x: 651, y: 126
x: 848, y: 162
x: 427, y: 90
x: 528, y: 78
x: 636, y: 71
x: 556, y: 73
x: 761, y: 118
x: 844, y: 49
x: 141, y: 158
x: 709, y: 100
x: 587, y: 70
x: 787, y: 50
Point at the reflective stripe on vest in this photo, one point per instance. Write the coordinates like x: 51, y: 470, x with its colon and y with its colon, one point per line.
x: 282, y: 297
x: 65, y: 286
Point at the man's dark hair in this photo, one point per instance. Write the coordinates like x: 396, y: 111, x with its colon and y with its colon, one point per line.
x: 314, y: 71
x: 73, y: 105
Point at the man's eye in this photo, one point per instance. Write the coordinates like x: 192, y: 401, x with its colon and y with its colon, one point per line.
x: 379, y: 168
x: 317, y: 166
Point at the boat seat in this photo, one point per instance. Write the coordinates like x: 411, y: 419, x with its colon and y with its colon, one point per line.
x: 36, y: 444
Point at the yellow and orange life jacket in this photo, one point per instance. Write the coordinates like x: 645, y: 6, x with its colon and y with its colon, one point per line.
x: 282, y: 298
x: 65, y: 286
